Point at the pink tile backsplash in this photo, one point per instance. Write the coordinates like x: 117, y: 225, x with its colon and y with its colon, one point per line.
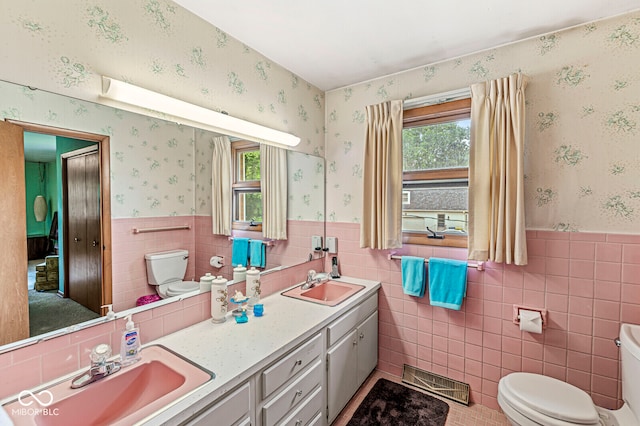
x: 589, y: 282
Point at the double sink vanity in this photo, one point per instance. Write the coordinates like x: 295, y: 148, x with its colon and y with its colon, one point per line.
x: 299, y: 364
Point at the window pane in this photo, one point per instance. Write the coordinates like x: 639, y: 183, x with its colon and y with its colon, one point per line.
x: 248, y: 206
x: 443, y: 207
x: 436, y: 146
x: 248, y: 166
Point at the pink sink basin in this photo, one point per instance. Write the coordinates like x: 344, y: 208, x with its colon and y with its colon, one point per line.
x: 329, y: 293
x: 125, y: 397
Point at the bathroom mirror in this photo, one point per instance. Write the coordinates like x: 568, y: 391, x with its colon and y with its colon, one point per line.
x: 158, y: 168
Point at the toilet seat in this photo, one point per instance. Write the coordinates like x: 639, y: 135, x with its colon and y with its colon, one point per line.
x: 181, y: 287
x: 547, y: 400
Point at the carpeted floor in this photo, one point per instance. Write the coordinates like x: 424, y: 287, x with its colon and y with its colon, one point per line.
x: 48, y: 312
x: 393, y: 404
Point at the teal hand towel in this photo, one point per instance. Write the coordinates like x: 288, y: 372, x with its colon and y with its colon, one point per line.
x: 239, y: 251
x: 257, y: 253
x: 447, y: 282
x: 413, y: 279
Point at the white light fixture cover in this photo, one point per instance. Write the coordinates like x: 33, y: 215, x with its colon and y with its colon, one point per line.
x: 40, y: 208
x: 193, y: 114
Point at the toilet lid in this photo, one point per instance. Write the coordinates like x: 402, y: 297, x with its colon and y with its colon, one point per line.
x: 550, y: 397
x: 182, y: 287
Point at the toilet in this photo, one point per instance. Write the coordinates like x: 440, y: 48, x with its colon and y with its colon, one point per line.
x: 532, y: 399
x: 165, y: 271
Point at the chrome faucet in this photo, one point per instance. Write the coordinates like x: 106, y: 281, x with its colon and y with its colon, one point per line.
x: 99, y: 369
x: 313, y: 279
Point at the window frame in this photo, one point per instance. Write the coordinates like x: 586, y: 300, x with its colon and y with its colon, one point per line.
x: 238, y: 147
x: 427, y: 115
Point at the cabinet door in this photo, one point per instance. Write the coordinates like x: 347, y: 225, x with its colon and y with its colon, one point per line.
x: 367, y: 347
x: 342, y: 373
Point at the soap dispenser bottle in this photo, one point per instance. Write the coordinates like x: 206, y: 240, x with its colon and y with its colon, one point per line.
x: 130, y: 344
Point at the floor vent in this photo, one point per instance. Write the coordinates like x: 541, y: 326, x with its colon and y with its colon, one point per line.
x: 434, y: 383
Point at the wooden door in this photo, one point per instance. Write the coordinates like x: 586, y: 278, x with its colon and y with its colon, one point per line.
x: 14, y: 297
x: 83, y: 244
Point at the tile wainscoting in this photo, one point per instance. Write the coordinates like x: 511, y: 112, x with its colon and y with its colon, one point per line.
x: 589, y: 282
x: 129, y: 268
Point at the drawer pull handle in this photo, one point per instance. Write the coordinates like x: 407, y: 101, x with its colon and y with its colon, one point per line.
x: 299, y: 362
x: 362, y: 335
x: 298, y: 392
x: 355, y: 342
x: 298, y: 422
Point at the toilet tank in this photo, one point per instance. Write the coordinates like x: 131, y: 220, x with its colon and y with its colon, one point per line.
x: 630, y: 353
x: 166, y: 266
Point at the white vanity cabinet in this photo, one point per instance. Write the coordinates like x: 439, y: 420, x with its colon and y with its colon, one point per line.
x: 352, y: 353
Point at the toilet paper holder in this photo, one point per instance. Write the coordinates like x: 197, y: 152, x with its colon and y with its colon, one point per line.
x: 516, y: 314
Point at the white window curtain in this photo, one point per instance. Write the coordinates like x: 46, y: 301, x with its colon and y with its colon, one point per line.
x: 381, y: 226
x: 221, y: 179
x: 273, y: 182
x: 496, y: 171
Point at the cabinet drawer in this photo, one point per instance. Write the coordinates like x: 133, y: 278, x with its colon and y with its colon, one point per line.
x: 233, y: 409
x: 316, y: 421
x: 276, y: 375
x: 339, y: 328
x: 304, y: 414
x: 291, y: 396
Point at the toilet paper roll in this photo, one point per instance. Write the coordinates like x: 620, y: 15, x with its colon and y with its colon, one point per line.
x: 530, y: 321
x: 217, y: 261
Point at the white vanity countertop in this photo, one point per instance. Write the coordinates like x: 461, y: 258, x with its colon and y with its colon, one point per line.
x: 235, y: 352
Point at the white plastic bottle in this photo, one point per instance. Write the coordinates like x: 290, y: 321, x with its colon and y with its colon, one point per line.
x: 130, y: 344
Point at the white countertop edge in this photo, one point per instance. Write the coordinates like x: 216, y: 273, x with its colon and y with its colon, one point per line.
x: 319, y: 315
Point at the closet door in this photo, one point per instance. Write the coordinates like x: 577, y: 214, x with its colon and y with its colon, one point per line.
x: 14, y: 306
x: 83, y: 216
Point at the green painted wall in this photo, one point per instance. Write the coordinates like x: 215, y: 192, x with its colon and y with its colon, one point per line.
x: 35, y: 184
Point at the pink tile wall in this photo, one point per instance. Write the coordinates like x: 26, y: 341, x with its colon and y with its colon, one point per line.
x: 292, y: 251
x: 30, y: 366
x: 129, y: 268
x: 590, y: 284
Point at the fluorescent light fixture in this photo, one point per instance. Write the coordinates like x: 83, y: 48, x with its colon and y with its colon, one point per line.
x: 191, y: 114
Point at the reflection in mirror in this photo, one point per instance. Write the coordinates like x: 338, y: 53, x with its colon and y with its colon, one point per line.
x: 161, y: 177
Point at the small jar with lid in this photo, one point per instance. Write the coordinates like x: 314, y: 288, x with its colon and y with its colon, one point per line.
x: 205, y: 282
x: 219, y: 300
x: 253, y: 287
x: 239, y: 273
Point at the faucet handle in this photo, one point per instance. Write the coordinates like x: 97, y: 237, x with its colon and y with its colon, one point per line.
x: 100, y: 353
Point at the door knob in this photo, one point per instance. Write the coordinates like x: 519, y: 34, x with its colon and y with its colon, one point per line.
x: 76, y: 239
x: 94, y: 243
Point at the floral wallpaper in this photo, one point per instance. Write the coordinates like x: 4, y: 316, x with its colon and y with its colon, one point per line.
x: 582, y: 156
x: 156, y: 168
x: 160, y: 46
x: 305, y: 179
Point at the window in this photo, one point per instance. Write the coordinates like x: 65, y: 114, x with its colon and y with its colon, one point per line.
x: 435, y: 150
x: 247, y: 195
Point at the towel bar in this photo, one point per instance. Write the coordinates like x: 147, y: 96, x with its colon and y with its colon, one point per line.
x: 479, y: 266
x: 165, y: 228
x: 267, y: 243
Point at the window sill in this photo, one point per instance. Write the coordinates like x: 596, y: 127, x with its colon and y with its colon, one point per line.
x: 246, y: 226
x: 420, y: 238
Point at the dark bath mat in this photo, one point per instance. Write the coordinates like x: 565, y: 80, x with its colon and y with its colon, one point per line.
x: 393, y: 404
